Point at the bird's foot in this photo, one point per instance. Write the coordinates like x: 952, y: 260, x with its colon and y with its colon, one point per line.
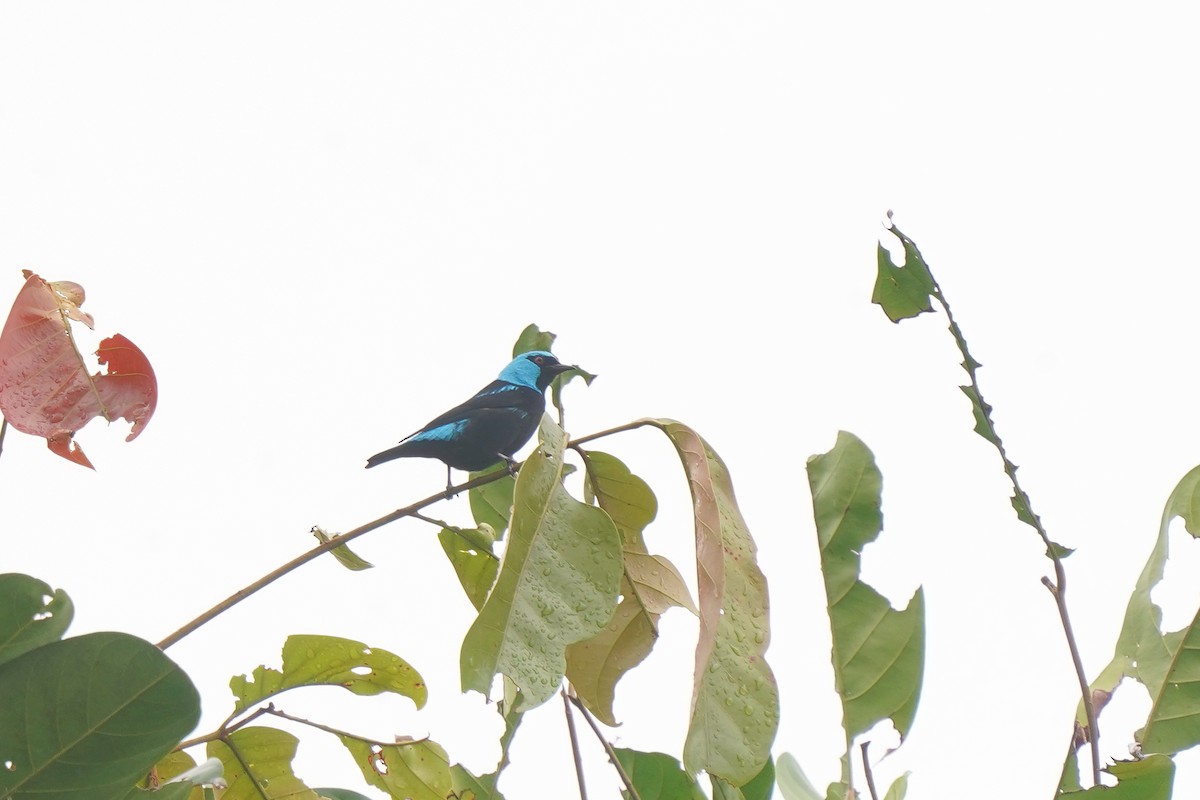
x: 510, y: 464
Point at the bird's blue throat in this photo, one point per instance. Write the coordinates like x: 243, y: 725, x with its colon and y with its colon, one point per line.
x: 523, y: 372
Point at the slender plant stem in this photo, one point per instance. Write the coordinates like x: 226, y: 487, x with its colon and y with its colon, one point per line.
x: 321, y: 549
x: 1021, y: 500
x: 574, y: 746
x: 273, y: 711
x: 867, y: 771
x: 3, y: 430
x: 608, y: 748
x: 629, y: 426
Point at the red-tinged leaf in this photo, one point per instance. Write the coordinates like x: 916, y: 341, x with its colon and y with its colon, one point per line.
x: 45, y: 387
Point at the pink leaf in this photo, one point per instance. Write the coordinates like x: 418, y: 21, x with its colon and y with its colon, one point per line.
x: 45, y: 387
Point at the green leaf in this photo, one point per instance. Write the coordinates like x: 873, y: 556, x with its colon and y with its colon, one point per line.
x: 557, y: 585
x: 650, y: 585
x: 330, y: 661
x: 269, y: 753
x: 491, y: 503
x: 533, y: 338
x: 86, y: 718
x: 31, y: 614
x: 408, y: 770
x: 793, y: 783
x: 176, y: 791
x: 470, y: 553
x: 1166, y: 664
x: 470, y: 787
x: 340, y: 794
x: 657, y: 776
x: 735, y: 702
x: 903, y: 292
x: 898, y: 789
x: 878, y: 652
x: 345, y: 556
x: 982, y: 411
x: 1150, y: 778
x: 168, y: 767
x: 761, y: 786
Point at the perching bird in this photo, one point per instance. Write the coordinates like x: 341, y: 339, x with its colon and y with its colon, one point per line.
x: 489, y: 427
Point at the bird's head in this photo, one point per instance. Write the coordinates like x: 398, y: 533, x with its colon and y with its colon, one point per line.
x: 535, y: 370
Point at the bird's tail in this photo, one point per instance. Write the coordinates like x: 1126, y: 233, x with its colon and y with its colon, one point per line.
x: 386, y: 455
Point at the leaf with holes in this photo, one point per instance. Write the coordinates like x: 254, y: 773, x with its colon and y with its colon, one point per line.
x: 735, y: 701
x: 258, y: 765
x: 469, y: 786
x: 45, y: 387
x: 86, y: 718
x: 650, y: 585
x: 330, y: 661
x: 1166, y: 664
x: 557, y: 584
x: 1149, y: 778
x: 878, y: 652
x: 407, y: 770
x: 903, y: 292
x: 31, y: 614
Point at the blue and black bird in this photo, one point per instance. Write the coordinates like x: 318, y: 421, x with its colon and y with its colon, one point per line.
x: 492, y: 425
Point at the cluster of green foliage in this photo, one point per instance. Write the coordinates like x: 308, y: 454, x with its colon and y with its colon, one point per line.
x: 569, y: 599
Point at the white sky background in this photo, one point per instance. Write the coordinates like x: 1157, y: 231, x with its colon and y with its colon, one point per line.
x: 326, y: 223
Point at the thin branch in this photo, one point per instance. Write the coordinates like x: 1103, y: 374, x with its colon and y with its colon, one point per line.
x: 400, y: 513
x: 629, y: 426
x: 273, y: 711
x: 1021, y: 499
x: 574, y: 745
x: 225, y: 728
x: 3, y: 430
x: 867, y: 771
x: 608, y: 748
x: 321, y: 549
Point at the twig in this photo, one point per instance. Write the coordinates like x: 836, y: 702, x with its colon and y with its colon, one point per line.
x: 574, y: 745
x: 629, y: 426
x: 867, y: 771
x: 400, y: 513
x: 321, y: 549
x: 225, y: 728
x: 3, y: 430
x: 608, y: 748
x: 273, y: 711
x: 1021, y: 500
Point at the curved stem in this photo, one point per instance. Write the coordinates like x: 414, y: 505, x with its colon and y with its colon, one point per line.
x: 1021, y: 503
x: 608, y: 748
x: 304, y: 558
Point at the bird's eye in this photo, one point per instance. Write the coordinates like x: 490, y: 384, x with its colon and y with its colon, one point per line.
x: 539, y: 360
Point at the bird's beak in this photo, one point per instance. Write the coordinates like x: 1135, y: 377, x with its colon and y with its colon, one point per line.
x: 561, y: 368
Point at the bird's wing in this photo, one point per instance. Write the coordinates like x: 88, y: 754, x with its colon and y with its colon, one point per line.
x: 497, y: 394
